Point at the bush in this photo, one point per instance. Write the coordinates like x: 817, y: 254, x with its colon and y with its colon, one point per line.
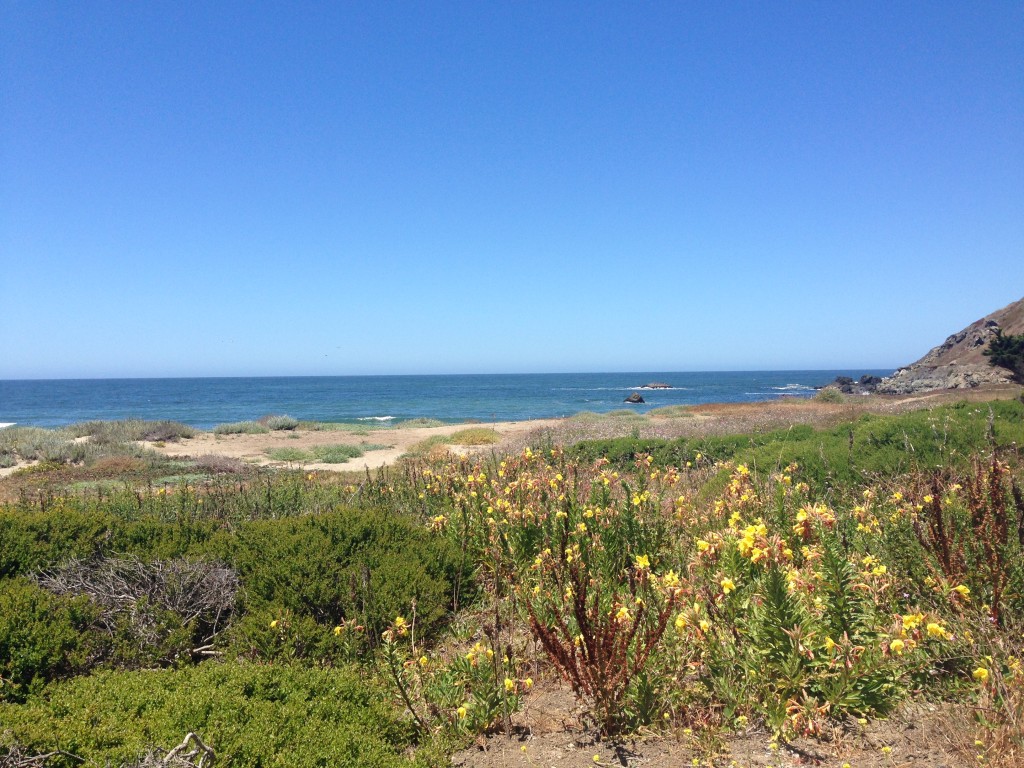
x: 829, y: 395
x: 364, y: 565
x: 131, y: 430
x: 42, y: 637
x: 250, y: 715
x: 289, y: 454
x: 277, y: 423
x: 1007, y: 352
x: 241, y: 428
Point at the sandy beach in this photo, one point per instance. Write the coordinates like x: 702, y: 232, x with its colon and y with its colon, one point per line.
x: 254, y: 448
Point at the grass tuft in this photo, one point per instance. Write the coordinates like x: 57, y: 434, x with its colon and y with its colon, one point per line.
x: 241, y: 428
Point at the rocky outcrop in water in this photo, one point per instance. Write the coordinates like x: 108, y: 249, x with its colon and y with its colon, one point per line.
x: 635, y: 399
x: 959, y: 362
x: 865, y: 385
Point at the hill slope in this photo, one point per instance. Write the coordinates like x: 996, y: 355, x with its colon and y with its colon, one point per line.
x: 958, y: 362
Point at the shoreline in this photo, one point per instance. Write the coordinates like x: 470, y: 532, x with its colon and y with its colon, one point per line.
x: 385, y: 445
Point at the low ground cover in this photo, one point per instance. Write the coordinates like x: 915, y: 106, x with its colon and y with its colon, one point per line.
x: 794, y: 584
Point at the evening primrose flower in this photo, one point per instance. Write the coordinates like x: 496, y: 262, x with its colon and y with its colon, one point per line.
x: 980, y: 674
x: 461, y: 712
x: 273, y: 624
x: 935, y: 629
x: 728, y: 585
x: 963, y: 591
x: 897, y: 646
x: 643, y: 562
x: 510, y: 684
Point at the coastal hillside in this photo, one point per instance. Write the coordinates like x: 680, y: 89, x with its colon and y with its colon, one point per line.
x: 959, y: 362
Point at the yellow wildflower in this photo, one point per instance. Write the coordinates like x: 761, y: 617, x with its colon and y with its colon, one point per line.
x: 727, y: 585
x: 897, y: 646
x: 643, y: 562
x: 980, y: 674
x: 935, y: 629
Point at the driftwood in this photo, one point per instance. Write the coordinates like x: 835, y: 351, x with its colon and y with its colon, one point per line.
x: 192, y: 590
x: 17, y: 757
x: 191, y: 753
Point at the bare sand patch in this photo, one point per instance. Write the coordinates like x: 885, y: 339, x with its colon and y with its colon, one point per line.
x: 254, y: 448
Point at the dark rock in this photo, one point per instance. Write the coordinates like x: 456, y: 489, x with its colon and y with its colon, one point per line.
x: 634, y: 399
x: 870, y: 381
x: 657, y: 385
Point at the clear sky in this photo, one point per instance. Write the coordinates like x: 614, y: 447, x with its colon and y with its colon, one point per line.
x: 456, y: 187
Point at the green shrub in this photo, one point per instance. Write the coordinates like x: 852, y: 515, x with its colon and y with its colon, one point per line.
x: 845, y: 455
x: 336, y: 454
x: 1007, y: 352
x: 131, y: 430
x: 289, y: 454
x: 42, y: 637
x: 362, y: 565
x: 241, y: 428
x: 277, y: 423
x: 250, y: 715
x: 829, y: 395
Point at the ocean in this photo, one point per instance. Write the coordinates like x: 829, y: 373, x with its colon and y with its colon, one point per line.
x: 206, y: 402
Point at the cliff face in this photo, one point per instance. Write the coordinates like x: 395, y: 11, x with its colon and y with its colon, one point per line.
x: 958, y: 362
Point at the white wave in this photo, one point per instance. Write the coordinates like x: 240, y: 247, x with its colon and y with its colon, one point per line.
x: 7, y: 424
x: 794, y: 387
x: 375, y: 418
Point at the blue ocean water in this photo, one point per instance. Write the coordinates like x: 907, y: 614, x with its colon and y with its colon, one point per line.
x: 206, y: 402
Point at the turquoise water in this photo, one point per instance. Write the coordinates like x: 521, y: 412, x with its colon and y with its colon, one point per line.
x: 206, y: 402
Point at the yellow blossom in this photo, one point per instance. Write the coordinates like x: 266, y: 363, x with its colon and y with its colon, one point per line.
x: 273, y: 624
x: 935, y: 629
x: 727, y: 585
x: 980, y: 674
x: 338, y: 630
x: 510, y: 684
x: 897, y: 646
x: 643, y: 562
x: 528, y: 682
x: 963, y: 591
x: 461, y: 711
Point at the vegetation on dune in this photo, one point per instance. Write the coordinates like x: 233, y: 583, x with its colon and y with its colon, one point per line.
x: 241, y: 428
x: 474, y: 436
x: 790, y: 581
x: 325, y: 454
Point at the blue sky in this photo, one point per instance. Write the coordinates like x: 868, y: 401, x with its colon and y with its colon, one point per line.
x: 459, y: 187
